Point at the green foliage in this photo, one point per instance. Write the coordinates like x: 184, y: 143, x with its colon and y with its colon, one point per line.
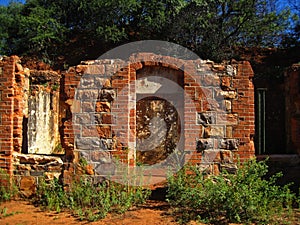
x: 51, y: 195
x: 7, y: 187
x: 9, y: 28
x: 244, y: 197
x: 89, y: 201
x: 211, y: 28
x: 4, y: 213
x: 40, y: 29
x: 83, y: 162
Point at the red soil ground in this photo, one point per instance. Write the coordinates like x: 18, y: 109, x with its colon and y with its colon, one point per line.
x: 152, y: 213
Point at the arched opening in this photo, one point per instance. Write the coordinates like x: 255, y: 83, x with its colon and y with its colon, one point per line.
x: 159, y: 114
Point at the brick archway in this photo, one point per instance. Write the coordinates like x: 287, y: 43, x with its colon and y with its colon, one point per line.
x: 159, y: 113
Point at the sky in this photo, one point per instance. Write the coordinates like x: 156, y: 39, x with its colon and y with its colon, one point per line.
x: 5, y: 2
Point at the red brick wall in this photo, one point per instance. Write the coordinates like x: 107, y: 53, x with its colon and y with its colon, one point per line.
x: 14, y: 94
x: 208, y: 88
x: 244, y: 107
x: 69, y: 83
x: 7, y: 103
x: 12, y: 106
x: 218, y: 110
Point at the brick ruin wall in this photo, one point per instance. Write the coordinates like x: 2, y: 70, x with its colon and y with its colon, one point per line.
x: 292, y: 77
x: 288, y: 161
x: 29, y: 124
x: 217, y: 113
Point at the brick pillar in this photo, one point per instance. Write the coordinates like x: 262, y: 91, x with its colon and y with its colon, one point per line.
x: 20, y: 90
x: 70, y: 81
x: 7, y: 76
x: 132, y: 117
x: 191, y: 129
x: 120, y: 110
x: 243, y: 105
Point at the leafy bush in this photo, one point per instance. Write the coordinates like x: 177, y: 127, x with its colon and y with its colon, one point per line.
x: 7, y: 187
x: 89, y: 201
x: 51, y: 195
x: 243, y: 197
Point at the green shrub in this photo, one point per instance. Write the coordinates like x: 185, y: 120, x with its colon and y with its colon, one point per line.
x: 243, y: 197
x: 51, y: 195
x: 90, y: 201
x: 7, y: 187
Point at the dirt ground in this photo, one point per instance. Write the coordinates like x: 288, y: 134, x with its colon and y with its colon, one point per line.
x: 152, y: 213
x: 24, y: 213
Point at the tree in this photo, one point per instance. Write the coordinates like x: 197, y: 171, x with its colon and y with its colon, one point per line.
x: 39, y: 29
x: 29, y: 28
x: 9, y: 27
x: 292, y: 36
x: 4, y: 21
x: 211, y: 28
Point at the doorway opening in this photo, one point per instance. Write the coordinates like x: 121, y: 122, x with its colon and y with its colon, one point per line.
x: 159, y: 114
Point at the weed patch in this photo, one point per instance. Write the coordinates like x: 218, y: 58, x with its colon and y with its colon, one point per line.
x: 243, y: 197
x: 7, y: 188
x: 4, y: 213
x: 90, y: 201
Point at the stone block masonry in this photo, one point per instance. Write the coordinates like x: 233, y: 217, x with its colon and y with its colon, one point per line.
x: 29, y: 124
x: 102, y: 112
x: 114, y: 115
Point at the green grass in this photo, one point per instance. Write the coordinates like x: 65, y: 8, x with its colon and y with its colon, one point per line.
x: 4, y: 213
